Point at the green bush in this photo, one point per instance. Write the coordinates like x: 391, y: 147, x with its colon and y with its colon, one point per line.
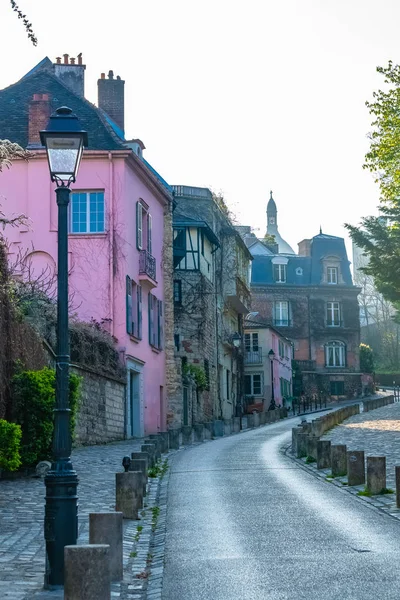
x: 366, y: 359
x: 199, y: 375
x: 33, y: 404
x: 10, y: 440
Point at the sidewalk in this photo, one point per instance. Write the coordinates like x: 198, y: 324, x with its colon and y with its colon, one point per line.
x: 22, y: 547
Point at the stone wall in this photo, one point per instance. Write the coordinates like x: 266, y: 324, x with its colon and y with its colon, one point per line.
x: 101, y: 412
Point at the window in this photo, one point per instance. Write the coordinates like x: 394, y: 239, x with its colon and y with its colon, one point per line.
x: 139, y: 225
x: 251, y: 342
x: 335, y: 354
x: 281, y: 347
x: 144, y: 226
x: 202, y: 242
x: 177, y: 291
x: 337, y: 388
x: 156, y: 322
x: 253, y: 384
x: 333, y: 314
x: 281, y: 313
x: 299, y: 271
x: 332, y: 275
x: 87, y: 212
x: 133, y: 308
x: 285, y: 387
x: 149, y: 234
x: 280, y: 273
x: 177, y: 341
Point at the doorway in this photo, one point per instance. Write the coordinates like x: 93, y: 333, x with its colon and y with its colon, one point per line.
x: 134, y: 429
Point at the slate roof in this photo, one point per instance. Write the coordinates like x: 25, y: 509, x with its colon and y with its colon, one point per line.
x: 14, y: 109
x: 311, y: 266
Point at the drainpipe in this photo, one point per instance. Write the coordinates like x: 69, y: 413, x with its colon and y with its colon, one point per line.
x: 111, y: 243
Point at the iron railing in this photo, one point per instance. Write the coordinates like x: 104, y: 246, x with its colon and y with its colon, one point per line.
x: 253, y: 357
x: 147, y: 264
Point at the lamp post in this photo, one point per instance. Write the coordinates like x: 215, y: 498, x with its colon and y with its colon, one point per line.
x: 272, y: 405
x: 64, y: 140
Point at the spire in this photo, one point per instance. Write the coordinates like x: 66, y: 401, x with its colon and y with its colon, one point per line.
x: 320, y: 230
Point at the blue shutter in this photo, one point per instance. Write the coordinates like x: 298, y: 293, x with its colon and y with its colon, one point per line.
x: 160, y: 325
x: 150, y: 303
x: 139, y: 226
x: 139, y: 309
x: 149, y: 234
x: 128, y: 305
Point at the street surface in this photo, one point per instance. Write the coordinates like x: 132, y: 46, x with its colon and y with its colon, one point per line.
x: 246, y: 523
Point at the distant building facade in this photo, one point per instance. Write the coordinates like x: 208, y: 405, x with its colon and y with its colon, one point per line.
x: 310, y: 298
x: 211, y: 298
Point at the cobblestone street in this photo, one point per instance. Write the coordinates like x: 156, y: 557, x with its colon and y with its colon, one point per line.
x: 22, y: 510
x: 376, y: 432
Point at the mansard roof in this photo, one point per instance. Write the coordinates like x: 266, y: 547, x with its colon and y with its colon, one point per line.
x: 304, y: 270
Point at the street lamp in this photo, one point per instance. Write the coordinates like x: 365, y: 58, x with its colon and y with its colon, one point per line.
x: 272, y: 405
x: 236, y: 339
x: 64, y: 140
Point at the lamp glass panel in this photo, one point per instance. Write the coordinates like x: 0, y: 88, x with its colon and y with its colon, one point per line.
x: 64, y: 154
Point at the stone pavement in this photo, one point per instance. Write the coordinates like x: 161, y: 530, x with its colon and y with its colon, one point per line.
x: 21, y: 524
x: 377, y: 433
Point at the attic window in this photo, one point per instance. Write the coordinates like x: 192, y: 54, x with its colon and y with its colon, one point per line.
x: 299, y: 271
x: 139, y: 151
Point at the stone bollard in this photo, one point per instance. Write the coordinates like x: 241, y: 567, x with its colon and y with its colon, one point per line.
x: 376, y: 474
x: 155, y: 438
x: 129, y: 493
x: 208, y: 430
x: 244, y: 422
x: 218, y: 428
x: 141, y: 456
x: 236, y: 425
x: 263, y: 418
x: 198, y: 430
x: 186, y: 435
x: 302, y: 439
x: 339, y: 460
x: 106, y: 528
x: 355, y: 467
x: 227, y: 426
x: 173, y: 439
x: 87, y: 572
x: 250, y: 421
x: 323, y: 454
x: 151, y: 451
x: 164, y: 438
x: 312, y: 446
x: 397, y: 471
x: 140, y: 464
x: 157, y: 450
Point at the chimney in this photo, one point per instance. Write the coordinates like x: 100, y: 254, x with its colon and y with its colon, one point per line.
x: 305, y: 248
x: 111, y: 97
x: 39, y: 113
x: 71, y: 73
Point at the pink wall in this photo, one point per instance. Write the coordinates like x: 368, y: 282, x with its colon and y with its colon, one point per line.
x: 282, y: 366
x: 99, y: 263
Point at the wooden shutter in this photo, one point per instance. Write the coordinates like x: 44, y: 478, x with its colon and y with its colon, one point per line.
x: 149, y: 234
x: 129, y: 305
x: 160, y: 325
x: 139, y: 310
x: 151, y: 324
x: 139, y: 225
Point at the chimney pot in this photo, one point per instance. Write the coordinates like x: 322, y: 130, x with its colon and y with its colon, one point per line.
x: 119, y: 78
x: 110, y: 74
x: 58, y: 59
x: 72, y: 61
x: 80, y: 58
x: 103, y: 76
x: 74, y: 79
x: 66, y: 56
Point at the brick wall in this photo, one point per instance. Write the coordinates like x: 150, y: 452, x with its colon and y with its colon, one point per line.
x: 101, y: 412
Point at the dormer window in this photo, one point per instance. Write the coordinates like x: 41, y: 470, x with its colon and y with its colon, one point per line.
x: 280, y: 273
x: 332, y: 275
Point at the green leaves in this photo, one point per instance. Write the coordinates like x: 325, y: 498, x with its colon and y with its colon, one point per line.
x: 10, y: 439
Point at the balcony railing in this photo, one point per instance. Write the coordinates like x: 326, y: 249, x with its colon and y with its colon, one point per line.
x: 304, y: 365
x: 147, y: 264
x: 253, y: 357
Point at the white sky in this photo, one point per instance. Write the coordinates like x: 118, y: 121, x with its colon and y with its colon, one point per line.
x: 239, y: 96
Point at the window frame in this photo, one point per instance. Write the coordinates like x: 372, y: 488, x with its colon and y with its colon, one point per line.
x: 281, y: 322
x: 251, y: 376
x: 87, y: 231
x: 280, y: 273
x: 177, y: 286
x: 341, y: 355
x: 329, y: 271
x: 333, y: 306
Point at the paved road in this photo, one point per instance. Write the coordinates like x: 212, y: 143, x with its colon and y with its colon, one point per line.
x: 244, y: 522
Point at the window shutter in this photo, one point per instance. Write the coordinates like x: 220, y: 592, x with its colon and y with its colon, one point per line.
x: 150, y: 318
x: 139, y: 226
x: 139, y: 309
x: 128, y: 305
x: 149, y: 234
x: 160, y: 325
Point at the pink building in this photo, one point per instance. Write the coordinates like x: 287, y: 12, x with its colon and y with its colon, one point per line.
x: 118, y: 208
x: 266, y: 352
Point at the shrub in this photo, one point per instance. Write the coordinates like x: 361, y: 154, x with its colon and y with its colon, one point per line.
x: 10, y: 439
x: 198, y: 374
x: 366, y: 359
x: 33, y: 404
